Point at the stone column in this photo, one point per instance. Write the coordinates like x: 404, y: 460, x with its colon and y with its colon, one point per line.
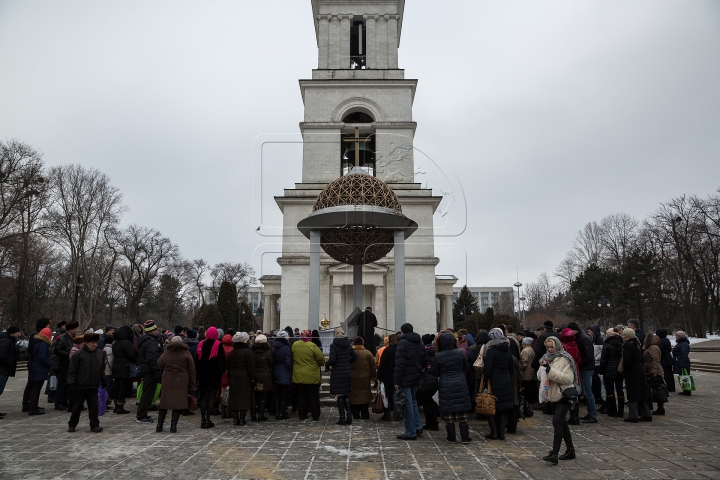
x: 276, y: 318
x: 334, y: 43
x: 445, y: 311
x: 370, y: 41
x: 269, y: 315
x: 380, y: 310
x: 381, y: 34
x: 345, y: 41
x: 338, y: 316
x: 399, y: 278
x: 392, y: 43
x: 323, y: 40
x: 314, y: 281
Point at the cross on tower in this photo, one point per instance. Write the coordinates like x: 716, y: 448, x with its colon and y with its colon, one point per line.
x: 357, y: 141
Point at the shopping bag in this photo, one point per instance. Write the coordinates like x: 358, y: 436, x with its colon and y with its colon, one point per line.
x: 102, y: 401
x: 686, y: 381
x: 543, y: 392
x: 384, y: 395
x: 485, y: 401
x: 377, y: 406
x: 52, y: 383
x: 399, y: 404
x: 140, y: 390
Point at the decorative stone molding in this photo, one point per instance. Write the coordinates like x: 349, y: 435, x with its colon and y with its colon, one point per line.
x: 358, y: 103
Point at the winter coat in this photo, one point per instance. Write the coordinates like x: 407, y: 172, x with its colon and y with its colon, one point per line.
x: 63, y: 345
x: 367, y: 321
x: 527, y: 356
x: 123, y: 352
x: 192, y: 344
x: 227, y: 345
x: 428, y: 380
x: 497, y: 370
x: 210, y: 370
x: 8, y: 355
x: 307, y: 360
x: 386, y: 371
x: 109, y: 360
x: 559, y: 377
x: 516, y: 380
x: 178, y: 377
x: 241, y: 371
x: 87, y: 369
x: 410, y: 359
x: 361, y: 371
x: 74, y: 350
x: 587, y: 351
x: 150, y: 351
x: 681, y: 355
x: 342, y: 355
x: 40, y: 367
x: 611, y: 356
x: 635, y: 382
x: 666, y: 359
x: 449, y: 366
x: 263, y: 365
x: 540, y: 348
x: 515, y: 346
x: 282, y: 362
x: 651, y: 356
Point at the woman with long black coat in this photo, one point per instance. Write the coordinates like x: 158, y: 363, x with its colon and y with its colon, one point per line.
x: 210, y: 366
x: 282, y: 373
x: 681, y: 355
x: 263, y: 375
x: 497, y: 370
x: 241, y: 372
x: 610, y: 358
x: 450, y: 366
x: 386, y: 373
x: 638, y: 391
x: 341, y: 356
x: 123, y: 356
x: 666, y: 359
x: 429, y: 386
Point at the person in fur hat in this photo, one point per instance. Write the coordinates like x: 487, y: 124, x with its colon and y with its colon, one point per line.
x: 85, y: 375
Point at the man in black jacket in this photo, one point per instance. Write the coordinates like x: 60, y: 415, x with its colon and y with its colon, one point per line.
x: 410, y: 359
x: 86, y: 373
x: 149, y: 352
x: 61, y: 350
x: 587, y: 369
x: 39, y: 325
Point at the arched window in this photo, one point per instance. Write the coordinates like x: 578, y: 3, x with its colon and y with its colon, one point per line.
x: 358, y: 144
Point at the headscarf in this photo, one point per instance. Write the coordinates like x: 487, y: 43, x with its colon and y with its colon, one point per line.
x: 261, y: 339
x: 527, y: 341
x: 240, y: 337
x: 339, y: 333
x: 281, y: 334
x: 227, y: 339
x: 305, y: 335
x: 497, y: 337
x: 210, y: 334
x: 560, y: 352
x: 46, y: 332
x: 481, y: 338
x: 176, y: 339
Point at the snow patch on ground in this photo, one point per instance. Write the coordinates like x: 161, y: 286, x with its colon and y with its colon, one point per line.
x: 345, y: 452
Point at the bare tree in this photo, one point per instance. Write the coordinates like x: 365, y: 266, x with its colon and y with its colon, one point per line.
x: 21, y: 178
x: 242, y: 275
x: 197, y: 269
x: 618, y: 234
x: 588, y: 247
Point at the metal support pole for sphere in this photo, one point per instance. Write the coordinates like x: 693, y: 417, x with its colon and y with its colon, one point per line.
x: 399, y: 240
x: 79, y: 282
x: 314, y: 306
x: 358, y: 286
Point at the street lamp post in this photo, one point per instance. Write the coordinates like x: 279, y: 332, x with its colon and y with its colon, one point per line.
x: 518, y: 285
x: 78, y: 283
x: 603, y: 303
x: 636, y: 284
x: 522, y: 308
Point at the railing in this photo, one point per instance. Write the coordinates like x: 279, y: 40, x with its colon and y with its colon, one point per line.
x: 357, y: 62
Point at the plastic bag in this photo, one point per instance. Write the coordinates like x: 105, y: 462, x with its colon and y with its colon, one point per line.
x: 543, y: 392
x: 384, y: 395
x: 225, y: 395
x: 102, y: 401
x: 399, y: 404
x: 603, y: 392
x: 140, y: 390
x: 52, y: 383
x: 686, y: 381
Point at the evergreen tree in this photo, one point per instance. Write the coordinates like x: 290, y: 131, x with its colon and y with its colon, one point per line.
x: 247, y: 319
x: 208, y: 315
x: 228, y: 306
x: 464, y: 307
x: 490, y: 321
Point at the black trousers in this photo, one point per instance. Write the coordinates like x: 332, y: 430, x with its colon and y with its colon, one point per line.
x: 89, y: 395
x: 669, y: 378
x: 149, y: 386
x: 597, y: 387
x: 26, y: 392
x: 561, y: 430
x: 121, y: 390
x: 430, y: 408
x: 34, y: 394
x: 308, y: 399
x: 360, y: 411
x: 531, y: 391
x: 61, y: 394
x: 614, y: 386
x: 281, y: 393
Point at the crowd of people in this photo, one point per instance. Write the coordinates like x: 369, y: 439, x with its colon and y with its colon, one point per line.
x: 553, y: 369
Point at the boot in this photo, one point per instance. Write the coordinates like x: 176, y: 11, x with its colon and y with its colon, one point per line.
x: 611, y: 406
x: 660, y: 409
x: 242, y: 417
x: 341, y: 411
x: 464, y: 432
x: 253, y: 414
x: 568, y: 455
x: 121, y: 409
x: 261, y: 411
x: 278, y: 411
x: 348, y: 415
x: 621, y: 407
x: 236, y: 418
x: 450, y: 428
x: 160, y: 420
x: 552, y: 457
x: 503, y: 425
x: 223, y: 411
x: 575, y: 415
x: 174, y: 420
x: 570, y: 449
x: 493, y: 429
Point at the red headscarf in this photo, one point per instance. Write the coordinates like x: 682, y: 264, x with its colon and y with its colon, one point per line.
x: 212, y: 335
x: 46, y: 332
x: 567, y: 338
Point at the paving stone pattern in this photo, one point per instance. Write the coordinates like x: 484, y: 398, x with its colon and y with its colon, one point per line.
x: 683, y: 444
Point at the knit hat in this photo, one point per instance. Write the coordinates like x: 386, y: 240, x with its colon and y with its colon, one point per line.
x: 191, y: 333
x: 71, y: 326
x: 79, y: 339
x: 628, y: 333
x: 109, y: 327
x: 150, y: 326
x: 495, y: 333
x: 261, y: 339
x: 548, y: 324
x: 241, y: 337
x: 527, y: 341
x: 91, y: 337
x: 358, y: 341
x: 46, y: 332
x: 679, y: 333
x: 573, y: 326
x: 12, y: 329
x: 176, y: 339
x: 339, y: 332
x: 406, y: 328
x: 282, y: 334
x: 221, y: 332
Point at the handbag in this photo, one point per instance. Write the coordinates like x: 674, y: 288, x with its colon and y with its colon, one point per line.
x: 479, y: 363
x: 570, y: 394
x: 485, y: 402
x: 398, y: 404
x: 686, y: 381
x: 659, y: 389
x: 192, y: 403
x: 378, y: 406
x: 133, y: 371
x: 102, y: 401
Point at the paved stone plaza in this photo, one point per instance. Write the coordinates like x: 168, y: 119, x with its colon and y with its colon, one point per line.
x: 683, y: 444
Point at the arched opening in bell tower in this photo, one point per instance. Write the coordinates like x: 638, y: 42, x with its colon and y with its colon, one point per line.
x: 357, y: 144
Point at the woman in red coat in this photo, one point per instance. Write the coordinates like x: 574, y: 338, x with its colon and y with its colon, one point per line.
x: 569, y: 343
x: 227, y: 345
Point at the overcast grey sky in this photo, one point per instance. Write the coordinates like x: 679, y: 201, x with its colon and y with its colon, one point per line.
x: 552, y: 114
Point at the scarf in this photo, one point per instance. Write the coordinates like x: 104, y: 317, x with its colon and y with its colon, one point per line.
x: 305, y: 335
x: 497, y: 337
x: 560, y: 352
x: 211, y: 334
